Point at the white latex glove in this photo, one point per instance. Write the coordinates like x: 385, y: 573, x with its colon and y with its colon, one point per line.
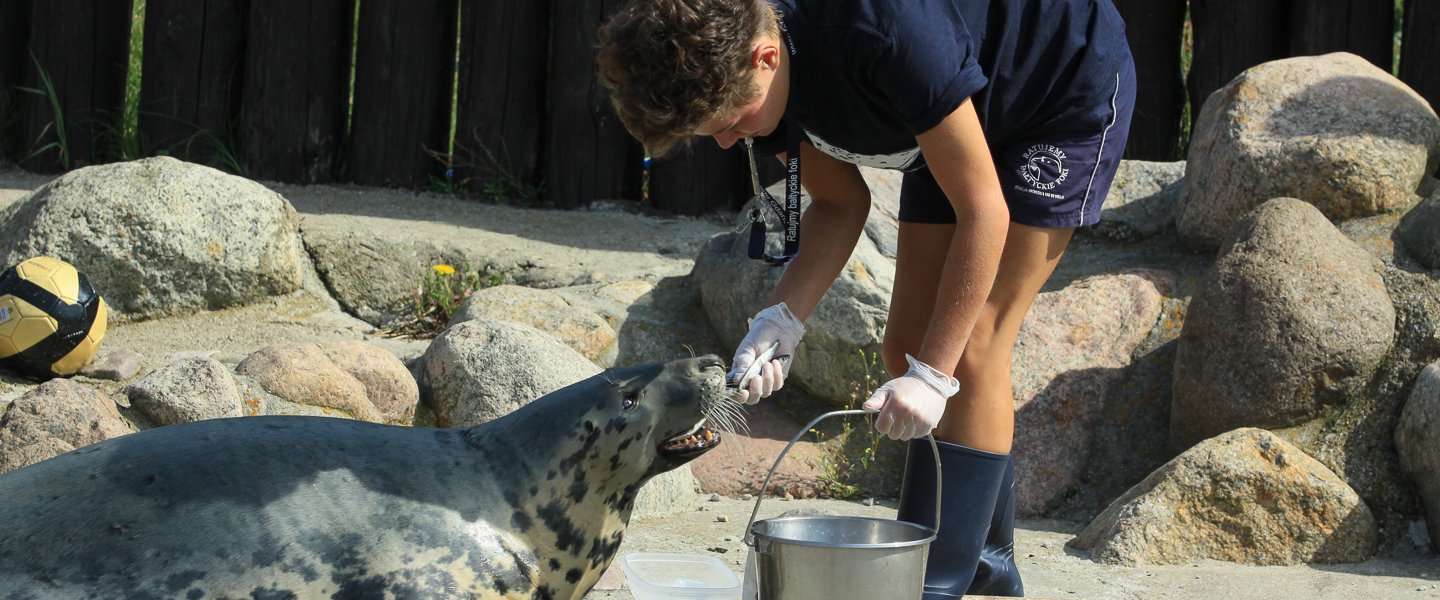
x: 773, y: 325
x: 911, y: 405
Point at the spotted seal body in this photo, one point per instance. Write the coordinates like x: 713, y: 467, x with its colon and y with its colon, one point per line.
x: 532, y: 505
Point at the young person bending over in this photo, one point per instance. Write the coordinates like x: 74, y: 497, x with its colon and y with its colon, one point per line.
x: 1008, y: 117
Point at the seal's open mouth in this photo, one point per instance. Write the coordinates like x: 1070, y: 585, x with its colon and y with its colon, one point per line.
x: 695, y: 441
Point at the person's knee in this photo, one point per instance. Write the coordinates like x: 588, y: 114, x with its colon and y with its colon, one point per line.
x: 985, y: 356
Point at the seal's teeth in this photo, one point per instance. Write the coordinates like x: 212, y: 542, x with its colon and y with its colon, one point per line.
x: 700, y: 440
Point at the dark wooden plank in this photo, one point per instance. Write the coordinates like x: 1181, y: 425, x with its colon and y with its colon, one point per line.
x: 14, y: 37
x: 1361, y: 27
x: 190, y: 88
x: 295, y: 89
x: 588, y: 153
x: 1154, y: 29
x: 404, y: 67
x: 504, y: 49
x: 1419, y: 47
x: 702, y: 179
x: 83, y: 46
x: 1230, y: 37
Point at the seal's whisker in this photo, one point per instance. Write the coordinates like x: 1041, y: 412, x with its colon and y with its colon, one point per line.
x: 730, y: 416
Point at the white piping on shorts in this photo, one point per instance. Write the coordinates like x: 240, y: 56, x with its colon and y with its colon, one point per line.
x: 1100, y: 155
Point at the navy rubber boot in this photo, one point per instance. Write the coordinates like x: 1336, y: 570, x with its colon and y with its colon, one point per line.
x: 974, y: 549
x: 996, y: 575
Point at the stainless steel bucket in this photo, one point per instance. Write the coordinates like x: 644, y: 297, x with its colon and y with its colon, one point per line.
x: 824, y: 557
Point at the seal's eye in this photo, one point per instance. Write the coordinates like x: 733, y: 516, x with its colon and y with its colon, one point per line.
x: 632, y: 398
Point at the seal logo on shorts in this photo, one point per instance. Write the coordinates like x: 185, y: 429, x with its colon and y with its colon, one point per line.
x: 1044, y: 166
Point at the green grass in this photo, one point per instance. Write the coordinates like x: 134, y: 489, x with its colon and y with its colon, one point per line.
x: 56, y: 126
x: 129, y: 126
x: 1187, y: 58
x: 1399, y: 33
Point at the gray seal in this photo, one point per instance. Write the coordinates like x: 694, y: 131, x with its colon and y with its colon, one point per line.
x: 531, y: 505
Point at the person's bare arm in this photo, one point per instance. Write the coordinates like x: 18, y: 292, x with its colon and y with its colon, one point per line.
x: 839, y: 205
x: 960, y: 160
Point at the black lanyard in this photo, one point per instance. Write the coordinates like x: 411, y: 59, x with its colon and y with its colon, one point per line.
x: 789, y: 213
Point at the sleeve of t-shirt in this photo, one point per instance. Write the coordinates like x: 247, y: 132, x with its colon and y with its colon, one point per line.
x: 926, y: 65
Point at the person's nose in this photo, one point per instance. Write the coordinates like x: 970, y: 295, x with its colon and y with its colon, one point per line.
x: 726, y: 140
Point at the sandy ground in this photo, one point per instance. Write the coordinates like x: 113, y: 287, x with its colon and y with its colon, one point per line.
x: 715, y: 527
x: 1049, y: 568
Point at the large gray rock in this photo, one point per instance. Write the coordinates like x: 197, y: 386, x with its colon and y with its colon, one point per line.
x: 849, y: 319
x: 1332, y: 130
x: 374, y: 276
x: 481, y: 370
x: 355, y: 378
x: 1141, y: 202
x: 658, y: 321
x: 187, y: 390
x: 56, y: 417
x: 883, y: 224
x: 160, y: 237
x: 1071, y: 349
x: 1293, y: 317
x: 578, y: 327
x: 668, y: 493
x: 1417, y: 440
x: 1357, y: 439
x: 1419, y: 231
x: 258, y: 401
x: 1247, y: 497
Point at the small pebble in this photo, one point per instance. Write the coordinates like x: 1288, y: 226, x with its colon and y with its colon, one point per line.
x: 746, y: 497
x: 117, y: 365
x: 714, y: 497
x: 1045, y: 544
x: 729, y: 539
x: 1032, y: 556
x: 789, y: 496
x: 869, y: 502
x: 722, y: 519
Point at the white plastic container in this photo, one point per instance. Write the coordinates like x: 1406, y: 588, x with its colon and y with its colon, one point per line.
x: 662, y: 576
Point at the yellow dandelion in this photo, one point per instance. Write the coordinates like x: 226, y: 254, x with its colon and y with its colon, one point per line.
x: 443, y: 269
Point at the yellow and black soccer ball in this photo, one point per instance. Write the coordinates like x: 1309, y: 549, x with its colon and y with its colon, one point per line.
x: 51, y: 319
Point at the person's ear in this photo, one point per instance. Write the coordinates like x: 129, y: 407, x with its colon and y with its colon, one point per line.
x: 766, y: 55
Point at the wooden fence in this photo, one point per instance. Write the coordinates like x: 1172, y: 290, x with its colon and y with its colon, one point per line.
x: 309, y: 91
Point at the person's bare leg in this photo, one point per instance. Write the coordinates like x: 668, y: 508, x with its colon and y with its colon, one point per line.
x: 982, y: 415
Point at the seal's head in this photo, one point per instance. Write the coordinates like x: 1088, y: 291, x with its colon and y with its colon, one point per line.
x: 674, y: 405
x: 626, y: 425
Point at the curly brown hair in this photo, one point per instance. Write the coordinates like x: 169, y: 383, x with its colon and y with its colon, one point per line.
x: 671, y: 65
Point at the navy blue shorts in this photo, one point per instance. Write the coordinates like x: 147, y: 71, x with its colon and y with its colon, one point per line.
x: 1051, y: 180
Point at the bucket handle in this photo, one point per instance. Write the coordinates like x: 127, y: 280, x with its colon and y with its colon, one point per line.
x: 750, y: 536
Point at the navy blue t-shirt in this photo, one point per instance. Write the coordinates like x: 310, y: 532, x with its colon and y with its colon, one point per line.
x: 870, y: 75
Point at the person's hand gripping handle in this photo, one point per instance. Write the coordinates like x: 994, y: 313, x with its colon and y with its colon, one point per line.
x: 762, y: 361
x: 911, y: 405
